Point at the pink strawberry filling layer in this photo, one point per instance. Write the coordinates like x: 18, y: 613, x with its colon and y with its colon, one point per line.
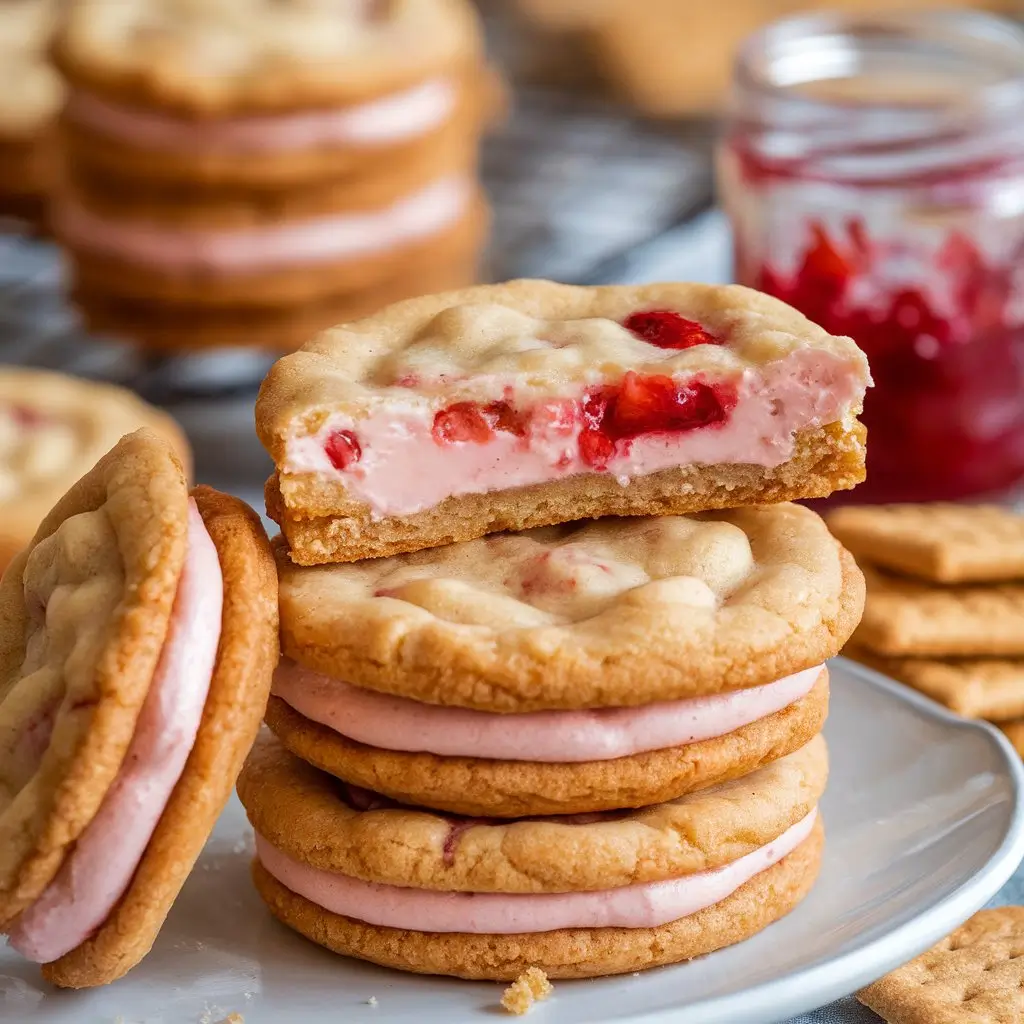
x: 633, y: 906
x: 389, y: 119
x: 396, y: 723
x: 100, y: 866
x: 411, y: 452
x: 343, y: 236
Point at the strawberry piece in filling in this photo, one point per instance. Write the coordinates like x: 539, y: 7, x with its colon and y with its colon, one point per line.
x: 666, y: 329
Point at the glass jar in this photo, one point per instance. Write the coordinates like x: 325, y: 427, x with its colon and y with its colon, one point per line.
x: 873, y: 171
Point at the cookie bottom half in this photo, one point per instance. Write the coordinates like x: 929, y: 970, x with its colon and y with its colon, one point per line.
x: 169, y: 327
x: 826, y: 459
x: 511, y: 789
x: 566, y: 953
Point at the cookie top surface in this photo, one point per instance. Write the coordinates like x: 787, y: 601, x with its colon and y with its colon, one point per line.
x: 608, y: 613
x: 547, y: 337
x: 210, y: 57
x: 941, y: 542
x: 51, y: 428
x: 30, y: 90
x: 323, y: 822
x: 83, y: 616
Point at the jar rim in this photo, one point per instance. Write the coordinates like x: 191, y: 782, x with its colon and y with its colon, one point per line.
x: 775, y: 61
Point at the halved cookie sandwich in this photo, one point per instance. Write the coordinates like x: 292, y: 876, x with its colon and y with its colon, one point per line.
x: 512, y: 406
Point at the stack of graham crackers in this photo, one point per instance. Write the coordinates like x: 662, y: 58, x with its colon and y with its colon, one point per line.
x: 945, y: 605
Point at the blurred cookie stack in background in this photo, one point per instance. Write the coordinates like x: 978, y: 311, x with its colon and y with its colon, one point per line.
x: 29, y: 97
x: 245, y: 172
x: 945, y: 603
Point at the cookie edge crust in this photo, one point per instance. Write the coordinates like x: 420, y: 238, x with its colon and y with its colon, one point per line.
x: 567, y: 953
x: 515, y: 789
x: 144, y: 471
x: 246, y: 656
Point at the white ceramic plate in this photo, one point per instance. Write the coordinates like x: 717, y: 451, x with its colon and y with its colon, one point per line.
x: 923, y: 827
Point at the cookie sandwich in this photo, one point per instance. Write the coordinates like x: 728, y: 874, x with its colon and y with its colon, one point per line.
x: 30, y: 95
x: 510, y: 406
x: 577, y: 896
x: 51, y: 426
x: 138, y: 636
x: 246, y: 172
x: 578, y: 668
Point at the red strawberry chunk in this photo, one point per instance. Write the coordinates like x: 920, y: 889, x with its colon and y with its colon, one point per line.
x: 343, y: 449
x: 666, y: 329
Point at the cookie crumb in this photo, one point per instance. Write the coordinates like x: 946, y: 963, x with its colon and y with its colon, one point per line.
x: 233, y: 1018
x: 372, y: 1001
x: 531, y: 986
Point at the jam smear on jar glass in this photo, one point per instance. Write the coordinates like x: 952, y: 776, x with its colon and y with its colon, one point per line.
x: 879, y: 189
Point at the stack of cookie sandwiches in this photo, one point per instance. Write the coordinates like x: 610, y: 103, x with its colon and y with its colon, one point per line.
x: 570, y: 678
x: 247, y: 172
x: 945, y: 603
x: 29, y: 97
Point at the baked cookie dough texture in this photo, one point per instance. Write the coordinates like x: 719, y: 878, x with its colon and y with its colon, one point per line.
x: 569, y: 716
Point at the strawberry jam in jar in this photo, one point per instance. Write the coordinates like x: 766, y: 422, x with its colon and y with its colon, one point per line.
x: 873, y: 171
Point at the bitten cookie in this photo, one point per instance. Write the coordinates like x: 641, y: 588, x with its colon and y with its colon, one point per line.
x: 518, y: 405
x: 572, y: 668
x: 52, y: 428
x: 576, y: 897
x: 138, y: 635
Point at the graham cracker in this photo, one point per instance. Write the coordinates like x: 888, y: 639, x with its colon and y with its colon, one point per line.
x: 907, y: 617
x: 943, y: 543
x: 990, y: 688
x: 974, y: 976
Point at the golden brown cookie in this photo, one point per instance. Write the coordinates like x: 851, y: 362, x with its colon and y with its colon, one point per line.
x: 974, y: 976
x: 273, y: 264
x: 940, y: 543
x: 632, y: 889
x: 991, y: 688
x: 166, y: 327
x: 1015, y: 734
x: 106, y: 560
x: 52, y: 428
x: 125, y: 673
x: 530, y: 403
x: 167, y: 150
x: 30, y: 94
x: 619, y: 612
x: 312, y: 818
x: 561, y: 953
x: 904, y: 617
x: 510, y: 789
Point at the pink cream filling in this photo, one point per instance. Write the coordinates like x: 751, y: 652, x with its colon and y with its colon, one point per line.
x: 99, y: 868
x: 556, y: 737
x: 337, y: 237
x: 633, y: 906
x: 388, y: 119
x: 402, y: 469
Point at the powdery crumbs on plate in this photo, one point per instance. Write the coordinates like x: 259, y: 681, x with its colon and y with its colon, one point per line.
x: 531, y: 986
x: 372, y: 1001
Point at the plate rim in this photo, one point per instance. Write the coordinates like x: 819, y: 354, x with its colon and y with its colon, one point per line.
x: 809, y: 988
